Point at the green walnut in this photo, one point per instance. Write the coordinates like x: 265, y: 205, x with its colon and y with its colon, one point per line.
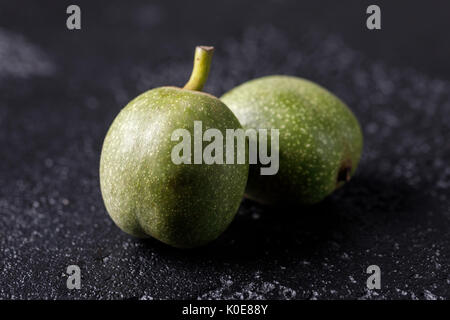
x: 320, y: 140
x: 145, y: 192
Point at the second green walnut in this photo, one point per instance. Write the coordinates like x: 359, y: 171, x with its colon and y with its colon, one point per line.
x: 320, y: 138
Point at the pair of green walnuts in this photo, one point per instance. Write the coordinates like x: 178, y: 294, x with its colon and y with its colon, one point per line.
x: 188, y: 205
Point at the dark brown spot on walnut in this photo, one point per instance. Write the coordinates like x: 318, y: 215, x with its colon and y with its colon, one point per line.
x: 344, y: 173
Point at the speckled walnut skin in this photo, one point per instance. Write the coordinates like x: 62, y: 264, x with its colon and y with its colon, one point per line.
x: 320, y: 139
x: 145, y: 193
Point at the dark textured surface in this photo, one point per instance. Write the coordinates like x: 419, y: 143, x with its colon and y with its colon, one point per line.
x: 60, y: 90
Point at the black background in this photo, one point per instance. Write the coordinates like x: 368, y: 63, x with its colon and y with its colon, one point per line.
x: 61, y: 89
